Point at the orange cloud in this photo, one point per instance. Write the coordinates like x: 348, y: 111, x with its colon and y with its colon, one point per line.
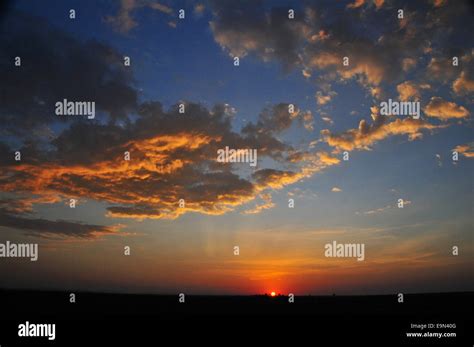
x: 172, y: 168
x: 140, y: 181
x: 444, y: 110
x: 463, y: 85
x: 356, y: 4
x: 438, y: 3
x: 360, y: 64
x: 267, y: 204
x: 466, y: 150
x: 323, y: 99
x: 328, y: 159
x: 379, y: 3
x: 276, y: 179
x: 407, y: 91
x: 366, y: 135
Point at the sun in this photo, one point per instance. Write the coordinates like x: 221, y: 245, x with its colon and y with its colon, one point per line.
x: 272, y: 294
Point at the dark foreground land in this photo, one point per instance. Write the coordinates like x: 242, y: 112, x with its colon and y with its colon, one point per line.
x: 232, y: 320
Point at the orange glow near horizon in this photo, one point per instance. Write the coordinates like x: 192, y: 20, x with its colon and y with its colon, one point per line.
x: 273, y: 294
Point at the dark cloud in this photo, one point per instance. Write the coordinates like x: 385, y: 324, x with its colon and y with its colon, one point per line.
x: 55, y: 66
x: 378, y: 44
x: 48, y: 228
x: 244, y: 26
x: 170, y: 160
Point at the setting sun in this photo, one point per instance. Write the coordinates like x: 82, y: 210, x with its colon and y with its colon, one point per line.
x: 272, y: 294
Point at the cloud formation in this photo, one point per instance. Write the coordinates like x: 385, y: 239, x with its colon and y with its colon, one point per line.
x: 58, y: 228
x: 52, y: 69
x: 444, y: 110
x: 170, y: 160
x: 363, y: 137
x: 317, y: 40
x: 124, y: 21
x: 410, y: 90
x: 466, y: 150
x: 266, y: 204
x: 464, y: 83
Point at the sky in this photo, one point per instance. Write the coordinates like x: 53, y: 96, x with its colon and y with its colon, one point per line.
x: 283, y: 62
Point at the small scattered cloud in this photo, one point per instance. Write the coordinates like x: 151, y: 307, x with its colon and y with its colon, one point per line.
x: 463, y: 84
x: 265, y: 205
x: 327, y: 120
x: 328, y: 159
x: 356, y: 4
x: 410, y: 90
x: 382, y: 209
x: 308, y: 120
x: 199, y: 9
x: 124, y: 21
x: 323, y: 99
x: 378, y: 3
x: 306, y: 73
x: 466, y: 150
x: 438, y: 3
x: 159, y: 7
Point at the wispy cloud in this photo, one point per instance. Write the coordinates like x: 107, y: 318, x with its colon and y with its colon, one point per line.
x: 124, y: 20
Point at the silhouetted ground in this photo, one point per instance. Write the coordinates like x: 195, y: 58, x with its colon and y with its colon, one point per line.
x: 228, y: 320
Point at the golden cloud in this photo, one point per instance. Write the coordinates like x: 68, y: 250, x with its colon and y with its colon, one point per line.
x: 368, y: 134
x: 157, y: 168
x: 356, y: 4
x: 444, y: 110
x: 408, y: 90
x: 466, y: 150
x: 265, y: 205
x: 463, y: 85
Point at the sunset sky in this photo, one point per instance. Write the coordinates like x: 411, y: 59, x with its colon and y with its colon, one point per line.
x: 300, y: 155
